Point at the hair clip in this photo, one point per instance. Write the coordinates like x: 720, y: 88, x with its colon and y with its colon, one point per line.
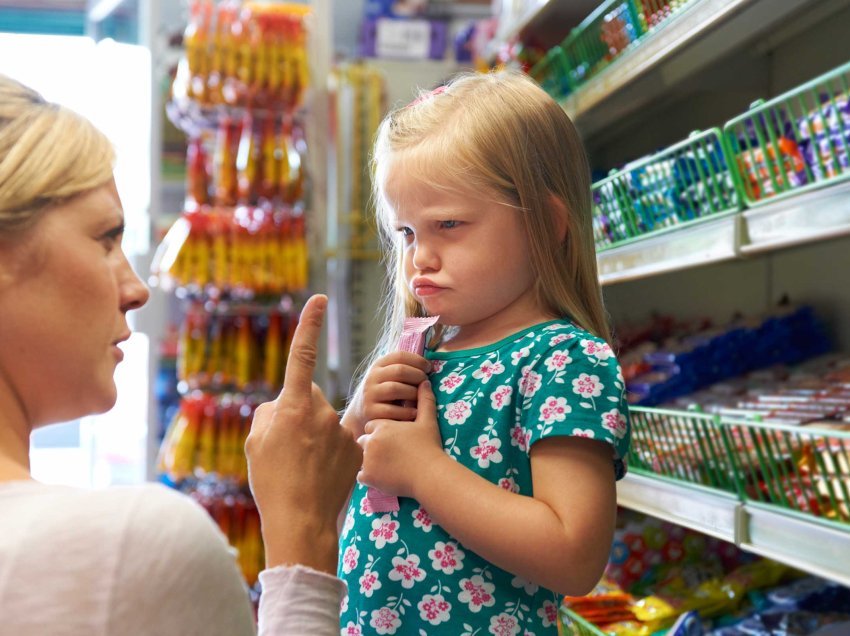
x: 424, y: 96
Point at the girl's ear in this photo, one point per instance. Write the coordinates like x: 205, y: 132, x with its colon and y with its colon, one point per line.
x: 560, y: 217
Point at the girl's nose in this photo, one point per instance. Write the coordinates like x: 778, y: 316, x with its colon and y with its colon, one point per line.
x: 425, y: 257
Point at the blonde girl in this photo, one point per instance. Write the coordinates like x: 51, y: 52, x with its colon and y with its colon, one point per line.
x: 506, y: 467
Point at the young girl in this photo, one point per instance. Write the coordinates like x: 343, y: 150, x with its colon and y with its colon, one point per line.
x: 505, y: 469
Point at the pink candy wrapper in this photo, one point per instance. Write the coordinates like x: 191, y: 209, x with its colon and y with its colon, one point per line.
x: 412, y: 339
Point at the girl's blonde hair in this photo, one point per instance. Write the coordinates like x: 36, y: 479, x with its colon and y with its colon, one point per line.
x: 48, y: 154
x: 497, y: 133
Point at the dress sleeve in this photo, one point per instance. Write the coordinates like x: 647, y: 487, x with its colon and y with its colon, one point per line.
x: 298, y: 600
x: 574, y: 387
x: 176, y: 573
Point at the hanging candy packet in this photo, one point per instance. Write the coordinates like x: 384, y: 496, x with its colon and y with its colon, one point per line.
x: 412, y: 339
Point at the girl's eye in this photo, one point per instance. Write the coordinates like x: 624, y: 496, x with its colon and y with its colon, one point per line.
x: 448, y: 225
x: 406, y: 232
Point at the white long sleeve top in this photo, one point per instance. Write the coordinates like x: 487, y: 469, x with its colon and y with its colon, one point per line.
x: 139, y: 560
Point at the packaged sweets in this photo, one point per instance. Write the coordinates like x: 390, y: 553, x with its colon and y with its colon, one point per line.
x: 413, y: 337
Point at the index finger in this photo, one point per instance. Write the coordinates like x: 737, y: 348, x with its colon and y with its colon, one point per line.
x: 304, y: 349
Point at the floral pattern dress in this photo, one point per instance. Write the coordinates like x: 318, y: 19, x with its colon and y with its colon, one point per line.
x: 405, y: 574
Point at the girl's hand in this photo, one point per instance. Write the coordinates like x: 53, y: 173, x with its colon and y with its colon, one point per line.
x: 399, y: 455
x: 390, y: 382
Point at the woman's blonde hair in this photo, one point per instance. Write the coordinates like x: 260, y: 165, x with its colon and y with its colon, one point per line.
x: 497, y: 133
x: 48, y: 154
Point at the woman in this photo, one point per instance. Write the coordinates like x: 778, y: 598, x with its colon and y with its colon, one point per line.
x: 134, y: 560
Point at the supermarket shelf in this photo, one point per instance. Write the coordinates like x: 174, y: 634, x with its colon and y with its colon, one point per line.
x: 811, y: 545
x: 710, y: 512
x: 509, y: 32
x: 804, y: 218
x: 701, y: 33
x: 801, y: 543
x: 709, y: 241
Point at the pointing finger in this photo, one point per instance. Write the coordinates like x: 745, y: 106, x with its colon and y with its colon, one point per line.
x: 304, y: 350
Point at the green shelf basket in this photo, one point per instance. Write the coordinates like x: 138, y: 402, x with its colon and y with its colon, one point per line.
x: 680, y: 185
x: 552, y: 73
x: 801, y: 470
x: 795, y: 142
x: 612, y: 28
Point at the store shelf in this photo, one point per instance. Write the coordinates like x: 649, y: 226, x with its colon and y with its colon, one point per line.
x: 709, y: 241
x: 811, y: 216
x: 710, y: 512
x: 511, y: 31
x: 802, y: 543
x: 812, y: 545
x: 700, y: 34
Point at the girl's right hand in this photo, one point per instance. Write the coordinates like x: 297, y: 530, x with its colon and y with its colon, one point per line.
x: 391, y: 381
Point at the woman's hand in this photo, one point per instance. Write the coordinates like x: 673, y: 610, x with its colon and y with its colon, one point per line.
x: 301, y: 462
x: 399, y: 455
x: 389, y: 383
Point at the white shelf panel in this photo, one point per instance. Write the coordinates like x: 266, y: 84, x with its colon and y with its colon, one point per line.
x: 809, y: 546
x: 812, y: 216
x: 698, y: 35
x: 710, y: 241
x: 714, y: 514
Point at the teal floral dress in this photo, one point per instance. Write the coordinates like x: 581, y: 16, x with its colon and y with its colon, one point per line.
x: 405, y: 574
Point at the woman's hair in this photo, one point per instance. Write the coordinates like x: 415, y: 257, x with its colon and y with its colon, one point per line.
x: 48, y: 154
x: 498, y: 134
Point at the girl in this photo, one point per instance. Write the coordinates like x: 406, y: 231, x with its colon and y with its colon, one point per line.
x: 506, y: 481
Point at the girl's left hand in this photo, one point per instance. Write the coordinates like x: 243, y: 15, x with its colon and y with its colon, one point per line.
x: 398, y: 456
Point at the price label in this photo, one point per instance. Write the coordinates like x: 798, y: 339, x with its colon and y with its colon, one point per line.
x: 409, y: 39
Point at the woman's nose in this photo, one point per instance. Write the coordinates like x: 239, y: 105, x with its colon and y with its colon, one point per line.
x: 134, y: 293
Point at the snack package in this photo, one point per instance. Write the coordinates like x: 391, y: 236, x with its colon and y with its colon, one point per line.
x: 412, y: 339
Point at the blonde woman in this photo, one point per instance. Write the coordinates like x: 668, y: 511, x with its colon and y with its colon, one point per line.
x: 135, y: 560
x: 506, y: 468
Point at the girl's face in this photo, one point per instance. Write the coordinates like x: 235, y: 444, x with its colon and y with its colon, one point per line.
x: 465, y: 258
x: 65, y: 289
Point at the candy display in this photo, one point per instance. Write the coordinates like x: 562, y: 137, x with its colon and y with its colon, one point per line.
x: 244, y: 55
x: 688, y: 181
x: 824, y: 134
x: 664, y: 579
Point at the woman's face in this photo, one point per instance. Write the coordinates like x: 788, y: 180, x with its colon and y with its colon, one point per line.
x: 65, y: 289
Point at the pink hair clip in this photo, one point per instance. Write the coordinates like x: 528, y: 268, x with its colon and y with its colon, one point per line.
x: 424, y: 96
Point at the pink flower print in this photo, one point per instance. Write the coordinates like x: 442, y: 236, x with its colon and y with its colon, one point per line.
x: 599, y: 350
x: 561, y: 337
x: 476, y: 593
x: 583, y: 432
x: 516, y: 356
x: 554, y: 409
x: 519, y: 437
x: 487, y: 370
x: 343, y: 607
x: 384, y: 531
x: 509, y: 484
x: 558, y: 360
x: 437, y: 365
x: 487, y: 450
x: 501, y: 397
x: 615, y: 422
x: 434, y: 608
x: 529, y: 587
x: 351, y: 629
x: 452, y: 381
x: 369, y: 582
x: 553, y: 327
x: 349, y: 521
x: 446, y: 557
x: 407, y: 571
x: 385, y: 620
x: 588, y: 386
x: 421, y: 519
x: 458, y: 412
x: 504, y: 625
x: 349, y: 558
x: 529, y: 381
x: 549, y: 613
